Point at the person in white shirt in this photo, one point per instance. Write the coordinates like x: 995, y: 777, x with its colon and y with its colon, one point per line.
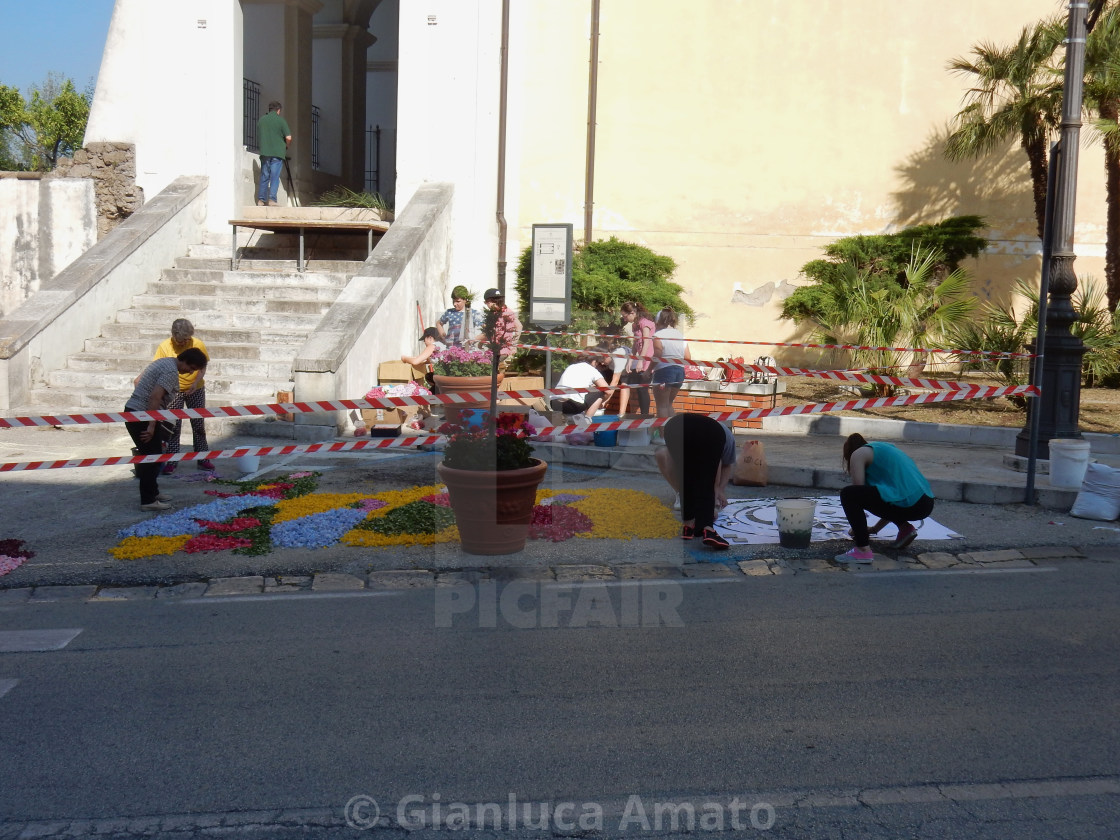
x: 671, y: 351
x: 613, y: 360
x: 581, y: 374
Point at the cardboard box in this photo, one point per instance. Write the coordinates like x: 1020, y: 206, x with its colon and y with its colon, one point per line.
x: 523, y: 383
x: 382, y: 416
x: 391, y: 373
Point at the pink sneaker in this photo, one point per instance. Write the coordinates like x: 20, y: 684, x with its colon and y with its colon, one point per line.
x: 855, y: 555
x: 906, y: 535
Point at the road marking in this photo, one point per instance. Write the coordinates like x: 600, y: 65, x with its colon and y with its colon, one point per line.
x: 28, y: 641
x: 6, y: 686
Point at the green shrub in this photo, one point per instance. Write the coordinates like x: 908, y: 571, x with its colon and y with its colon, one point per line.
x: 605, y: 274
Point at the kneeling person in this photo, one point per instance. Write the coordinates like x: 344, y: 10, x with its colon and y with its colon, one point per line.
x: 582, y: 375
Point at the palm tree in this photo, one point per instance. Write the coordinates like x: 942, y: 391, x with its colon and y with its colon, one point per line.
x: 1102, y: 94
x: 924, y: 308
x: 1016, y: 94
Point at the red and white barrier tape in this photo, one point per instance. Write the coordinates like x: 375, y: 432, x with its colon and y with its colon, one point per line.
x: 977, y: 392
x: 276, y: 409
x: 994, y: 354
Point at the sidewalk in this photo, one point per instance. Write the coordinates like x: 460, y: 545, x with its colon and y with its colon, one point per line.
x: 71, y: 517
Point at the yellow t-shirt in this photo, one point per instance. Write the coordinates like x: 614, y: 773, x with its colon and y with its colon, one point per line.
x: 165, y: 350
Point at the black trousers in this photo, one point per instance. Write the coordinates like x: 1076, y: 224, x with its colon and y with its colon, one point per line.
x: 148, y: 473
x: 695, y: 444
x: 857, y: 498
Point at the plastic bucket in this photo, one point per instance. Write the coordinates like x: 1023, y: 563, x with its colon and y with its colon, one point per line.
x: 1068, y: 461
x: 608, y: 438
x: 795, y: 522
x: 633, y: 437
x: 249, y: 463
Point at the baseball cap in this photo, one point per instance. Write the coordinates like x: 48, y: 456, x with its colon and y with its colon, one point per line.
x: 490, y: 294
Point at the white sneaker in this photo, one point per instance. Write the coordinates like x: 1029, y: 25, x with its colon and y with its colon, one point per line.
x: 582, y: 420
x: 677, y: 502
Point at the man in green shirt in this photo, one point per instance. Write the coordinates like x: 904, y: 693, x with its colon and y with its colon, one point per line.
x: 274, y: 137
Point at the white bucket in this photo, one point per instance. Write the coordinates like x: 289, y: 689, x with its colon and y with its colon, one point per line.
x: 249, y: 463
x: 633, y: 437
x: 795, y: 522
x: 1068, y: 461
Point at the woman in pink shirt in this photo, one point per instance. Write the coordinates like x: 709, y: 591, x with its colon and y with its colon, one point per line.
x: 640, y: 374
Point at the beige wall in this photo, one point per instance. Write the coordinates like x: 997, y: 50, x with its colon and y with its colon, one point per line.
x: 742, y: 137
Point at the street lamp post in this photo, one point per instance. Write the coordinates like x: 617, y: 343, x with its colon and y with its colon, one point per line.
x: 1059, y: 406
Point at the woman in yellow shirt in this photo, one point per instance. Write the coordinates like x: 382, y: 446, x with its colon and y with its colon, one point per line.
x: 192, y: 391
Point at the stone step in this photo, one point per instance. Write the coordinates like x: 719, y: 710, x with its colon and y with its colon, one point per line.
x: 157, y: 332
x: 52, y: 401
x: 164, y: 288
x: 121, y: 381
x: 230, y: 305
x: 80, y: 400
x: 221, y: 319
x: 220, y: 366
x: 143, y: 349
x: 279, y: 279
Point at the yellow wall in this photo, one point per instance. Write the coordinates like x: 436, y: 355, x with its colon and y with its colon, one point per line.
x: 741, y: 137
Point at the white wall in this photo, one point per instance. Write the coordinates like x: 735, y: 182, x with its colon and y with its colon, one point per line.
x: 447, y: 121
x: 44, y: 226
x: 171, y: 83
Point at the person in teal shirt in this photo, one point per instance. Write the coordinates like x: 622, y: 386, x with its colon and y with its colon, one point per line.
x: 274, y: 137
x: 886, y: 482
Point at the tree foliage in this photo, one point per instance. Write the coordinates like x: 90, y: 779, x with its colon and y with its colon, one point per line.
x: 1010, y: 328
x: 903, y: 289
x: 882, y: 262
x: 605, y: 274
x: 1016, y: 94
x: 608, y: 273
x: 37, y: 131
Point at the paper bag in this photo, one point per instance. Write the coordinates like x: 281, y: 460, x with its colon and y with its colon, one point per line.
x: 750, y: 466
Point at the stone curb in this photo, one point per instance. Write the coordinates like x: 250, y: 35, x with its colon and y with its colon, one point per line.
x: 398, y: 579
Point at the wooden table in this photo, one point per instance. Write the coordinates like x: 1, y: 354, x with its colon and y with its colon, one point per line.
x: 302, y: 226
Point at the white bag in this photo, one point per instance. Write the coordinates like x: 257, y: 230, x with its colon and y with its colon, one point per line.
x: 1099, y: 496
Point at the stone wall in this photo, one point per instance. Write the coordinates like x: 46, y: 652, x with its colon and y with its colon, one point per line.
x: 112, y: 168
x: 45, y: 224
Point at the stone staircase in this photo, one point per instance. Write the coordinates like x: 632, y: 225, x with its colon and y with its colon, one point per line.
x: 253, y: 322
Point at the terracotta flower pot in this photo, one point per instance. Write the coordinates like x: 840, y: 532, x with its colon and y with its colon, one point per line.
x: 459, y: 385
x: 493, y: 508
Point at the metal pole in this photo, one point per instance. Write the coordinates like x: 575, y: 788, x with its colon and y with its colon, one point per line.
x: 592, y: 107
x: 1040, y: 335
x: 547, y: 364
x: 1060, y: 404
x: 503, y: 100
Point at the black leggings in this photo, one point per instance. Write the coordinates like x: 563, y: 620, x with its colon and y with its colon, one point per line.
x: 637, y: 377
x: 695, y: 443
x: 857, y: 498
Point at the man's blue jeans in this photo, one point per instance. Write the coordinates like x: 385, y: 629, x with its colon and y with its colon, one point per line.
x: 270, y: 178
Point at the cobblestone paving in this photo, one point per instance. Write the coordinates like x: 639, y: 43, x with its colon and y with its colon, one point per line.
x: 264, y: 585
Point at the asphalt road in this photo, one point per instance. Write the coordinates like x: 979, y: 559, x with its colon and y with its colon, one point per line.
x: 979, y: 705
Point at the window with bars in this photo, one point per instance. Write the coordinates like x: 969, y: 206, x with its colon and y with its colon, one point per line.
x: 252, y: 113
x: 315, y: 116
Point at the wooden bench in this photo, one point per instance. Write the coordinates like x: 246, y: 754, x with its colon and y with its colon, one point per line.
x: 302, y: 225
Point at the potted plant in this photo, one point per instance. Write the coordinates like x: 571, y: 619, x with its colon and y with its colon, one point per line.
x: 461, y: 369
x: 492, y: 479
x: 489, y: 469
